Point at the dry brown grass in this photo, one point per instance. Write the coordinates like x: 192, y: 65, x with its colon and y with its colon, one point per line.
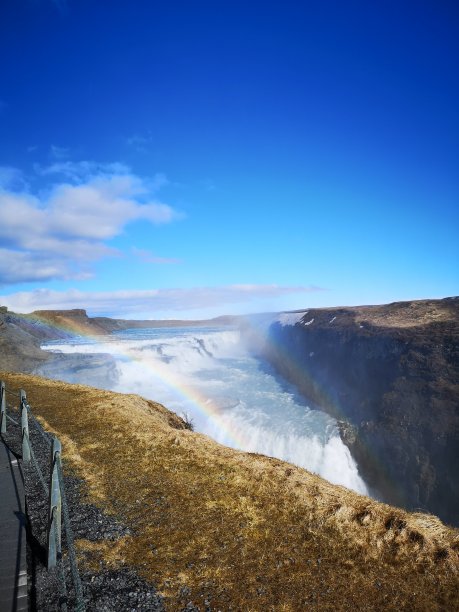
x: 418, y: 313
x: 244, y: 531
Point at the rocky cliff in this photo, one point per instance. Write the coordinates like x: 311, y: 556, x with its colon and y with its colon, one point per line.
x: 20, y: 339
x: 390, y: 374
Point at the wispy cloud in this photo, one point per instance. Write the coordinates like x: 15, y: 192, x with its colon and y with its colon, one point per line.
x: 159, y: 180
x: 59, y: 235
x: 84, y: 171
x: 12, y: 178
x: 148, y: 257
x: 139, y: 143
x: 208, y: 185
x: 81, y: 171
x: 131, y: 303
x: 56, y: 152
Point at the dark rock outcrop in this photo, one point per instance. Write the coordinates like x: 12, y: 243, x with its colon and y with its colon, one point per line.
x: 20, y: 340
x: 390, y: 375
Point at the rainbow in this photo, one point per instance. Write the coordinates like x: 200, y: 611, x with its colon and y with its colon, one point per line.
x: 200, y: 403
x: 326, y: 402
x: 188, y: 394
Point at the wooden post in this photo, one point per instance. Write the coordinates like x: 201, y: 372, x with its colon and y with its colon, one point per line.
x: 54, y: 508
x: 3, y: 412
x: 24, y: 427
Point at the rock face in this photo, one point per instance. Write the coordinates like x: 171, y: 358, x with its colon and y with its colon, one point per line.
x: 390, y: 375
x: 20, y: 342
x: 21, y: 335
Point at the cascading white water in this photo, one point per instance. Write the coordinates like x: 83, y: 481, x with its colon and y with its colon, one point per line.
x: 208, y: 374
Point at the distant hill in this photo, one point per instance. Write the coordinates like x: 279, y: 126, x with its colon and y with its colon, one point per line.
x: 77, y: 321
x: 22, y: 334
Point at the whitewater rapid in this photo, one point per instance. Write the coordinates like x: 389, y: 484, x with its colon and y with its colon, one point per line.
x: 208, y: 375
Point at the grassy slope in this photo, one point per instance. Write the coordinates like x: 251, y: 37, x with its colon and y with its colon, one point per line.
x: 244, y: 531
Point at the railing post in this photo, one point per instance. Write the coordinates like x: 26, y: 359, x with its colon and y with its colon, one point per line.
x: 24, y: 427
x: 54, y: 508
x: 3, y: 412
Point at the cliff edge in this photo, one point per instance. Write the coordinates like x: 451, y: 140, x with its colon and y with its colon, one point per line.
x: 390, y: 375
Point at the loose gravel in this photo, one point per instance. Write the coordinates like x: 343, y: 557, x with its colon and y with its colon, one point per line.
x: 105, y: 591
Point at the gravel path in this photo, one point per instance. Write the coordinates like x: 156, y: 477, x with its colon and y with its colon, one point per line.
x: 106, y: 590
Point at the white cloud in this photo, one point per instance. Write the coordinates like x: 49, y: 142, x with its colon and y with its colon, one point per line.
x: 22, y: 267
x: 62, y: 232
x: 131, y: 303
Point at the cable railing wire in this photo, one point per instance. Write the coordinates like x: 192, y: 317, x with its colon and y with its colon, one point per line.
x: 38, y: 469
x: 70, y: 539
x: 71, y: 553
x: 80, y: 607
x: 13, y: 420
x: 46, y: 436
x: 63, y: 595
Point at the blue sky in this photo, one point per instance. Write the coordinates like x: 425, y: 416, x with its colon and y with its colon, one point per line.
x: 190, y: 159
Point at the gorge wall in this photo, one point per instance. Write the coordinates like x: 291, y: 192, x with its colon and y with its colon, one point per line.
x: 390, y: 375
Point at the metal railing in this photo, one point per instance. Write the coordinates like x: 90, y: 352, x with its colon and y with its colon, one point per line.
x: 54, y: 491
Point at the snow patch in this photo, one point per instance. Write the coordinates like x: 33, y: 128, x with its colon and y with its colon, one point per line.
x: 290, y: 318
x: 308, y: 322
x: 331, y: 320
